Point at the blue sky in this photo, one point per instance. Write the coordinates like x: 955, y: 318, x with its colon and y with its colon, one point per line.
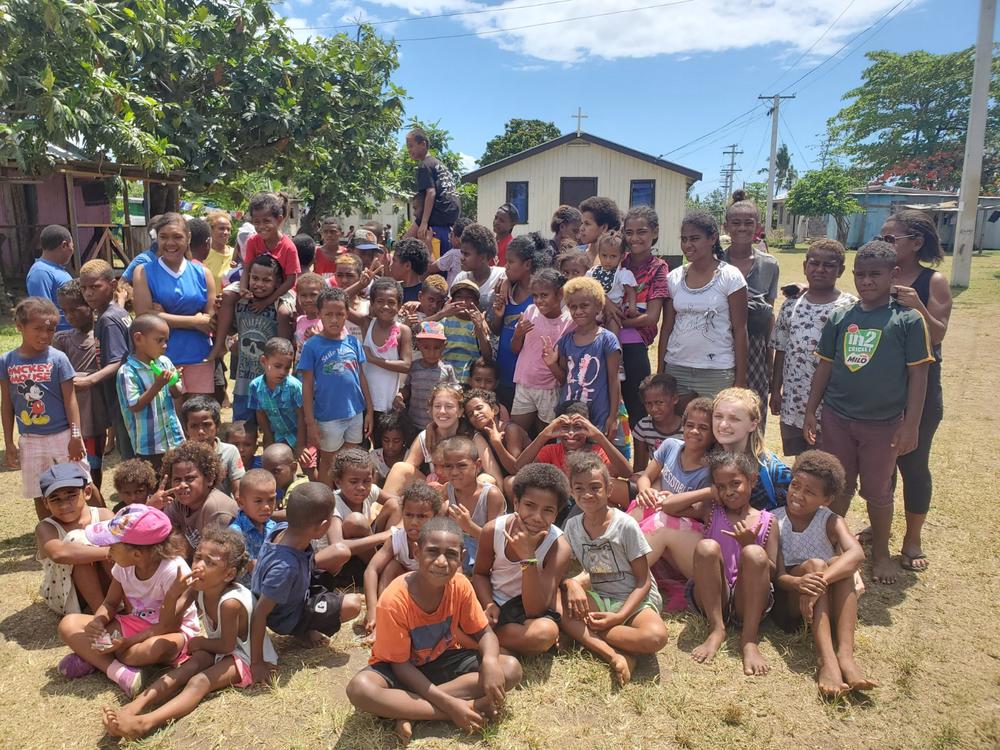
x: 654, y: 78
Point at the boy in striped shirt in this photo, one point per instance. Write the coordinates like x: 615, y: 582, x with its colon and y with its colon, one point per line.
x: 144, y: 391
x: 465, y: 328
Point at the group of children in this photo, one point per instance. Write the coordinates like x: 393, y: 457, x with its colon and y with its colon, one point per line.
x: 451, y: 465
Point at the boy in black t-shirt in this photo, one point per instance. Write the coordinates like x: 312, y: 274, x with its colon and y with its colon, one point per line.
x: 435, y: 191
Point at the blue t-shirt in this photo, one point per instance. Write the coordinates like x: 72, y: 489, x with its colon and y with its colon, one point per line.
x: 144, y: 258
x: 587, y: 375
x: 44, y: 280
x: 674, y: 478
x: 506, y: 358
x: 282, y: 575
x: 36, y: 390
x: 181, y: 293
x: 336, y: 367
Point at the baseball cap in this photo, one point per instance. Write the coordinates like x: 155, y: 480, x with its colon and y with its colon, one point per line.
x: 465, y: 284
x: 362, y: 239
x: 58, y: 476
x: 133, y: 524
x: 431, y: 329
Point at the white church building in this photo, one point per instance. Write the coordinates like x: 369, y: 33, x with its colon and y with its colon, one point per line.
x: 576, y: 166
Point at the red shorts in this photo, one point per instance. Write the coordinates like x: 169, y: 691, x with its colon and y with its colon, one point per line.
x: 132, y: 625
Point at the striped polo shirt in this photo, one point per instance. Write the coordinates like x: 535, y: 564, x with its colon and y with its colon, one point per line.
x: 155, y: 428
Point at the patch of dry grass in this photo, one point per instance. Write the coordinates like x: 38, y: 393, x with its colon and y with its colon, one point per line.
x: 930, y: 640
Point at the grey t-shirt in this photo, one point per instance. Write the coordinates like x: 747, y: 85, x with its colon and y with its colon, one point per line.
x: 607, y: 558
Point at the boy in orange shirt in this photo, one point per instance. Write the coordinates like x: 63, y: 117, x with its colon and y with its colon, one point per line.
x: 430, y: 677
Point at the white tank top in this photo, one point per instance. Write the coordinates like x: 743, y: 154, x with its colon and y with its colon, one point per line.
x: 812, y: 542
x: 242, y: 651
x: 401, y: 548
x: 506, y: 574
x: 383, y: 385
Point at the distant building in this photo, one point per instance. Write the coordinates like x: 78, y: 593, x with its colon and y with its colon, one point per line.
x: 576, y: 166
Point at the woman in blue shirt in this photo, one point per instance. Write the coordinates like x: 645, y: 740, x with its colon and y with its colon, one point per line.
x: 181, y: 292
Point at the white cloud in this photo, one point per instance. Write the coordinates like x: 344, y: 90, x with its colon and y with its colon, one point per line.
x: 708, y: 26
x: 468, y: 162
x: 300, y: 28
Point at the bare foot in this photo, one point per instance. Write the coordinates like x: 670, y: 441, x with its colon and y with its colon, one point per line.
x: 404, y: 730
x: 707, y: 650
x: 316, y: 639
x: 854, y: 676
x: 122, y: 724
x: 884, y: 571
x: 621, y: 667
x: 830, y: 681
x: 753, y: 662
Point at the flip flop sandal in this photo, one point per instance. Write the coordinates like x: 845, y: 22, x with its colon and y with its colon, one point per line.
x: 907, y: 563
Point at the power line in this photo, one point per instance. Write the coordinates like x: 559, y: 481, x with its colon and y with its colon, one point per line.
x: 452, y: 14
x: 812, y: 46
x: 845, y: 45
x: 713, y: 132
x: 795, y: 143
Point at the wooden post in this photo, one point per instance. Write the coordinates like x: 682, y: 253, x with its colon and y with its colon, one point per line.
x: 71, y: 215
x: 126, y: 222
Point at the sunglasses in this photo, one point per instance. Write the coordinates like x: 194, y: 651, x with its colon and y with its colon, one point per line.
x: 891, y: 238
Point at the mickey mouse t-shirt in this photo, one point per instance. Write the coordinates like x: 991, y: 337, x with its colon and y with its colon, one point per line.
x: 36, y: 390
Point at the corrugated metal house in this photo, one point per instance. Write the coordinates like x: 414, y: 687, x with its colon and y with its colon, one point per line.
x: 568, y: 169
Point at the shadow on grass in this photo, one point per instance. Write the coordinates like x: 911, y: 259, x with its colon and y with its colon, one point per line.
x: 362, y: 731
x: 17, y: 555
x: 32, y: 628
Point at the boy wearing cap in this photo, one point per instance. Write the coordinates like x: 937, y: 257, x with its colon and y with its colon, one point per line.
x: 425, y: 373
x: 466, y: 329
x: 290, y: 601
x: 145, y: 579
x: 75, y: 573
x: 410, y: 260
x: 365, y: 245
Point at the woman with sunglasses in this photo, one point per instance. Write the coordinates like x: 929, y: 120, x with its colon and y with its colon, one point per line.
x: 915, y: 238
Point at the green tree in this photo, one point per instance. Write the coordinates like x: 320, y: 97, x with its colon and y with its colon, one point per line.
x: 785, y: 173
x: 713, y: 203
x: 216, y: 88
x: 825, y: 191
x: 518, y: 135
x: 907, y: 119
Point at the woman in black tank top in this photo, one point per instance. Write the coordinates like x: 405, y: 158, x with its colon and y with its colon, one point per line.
x: 925, y: 290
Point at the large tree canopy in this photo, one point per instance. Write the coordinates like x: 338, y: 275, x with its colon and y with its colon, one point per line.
x: 907, y: 120
x: 214, y: 87
x: 518, y: 135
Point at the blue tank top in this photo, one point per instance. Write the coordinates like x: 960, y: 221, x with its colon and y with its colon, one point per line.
x: 183, y: 294
x: 506, y: 358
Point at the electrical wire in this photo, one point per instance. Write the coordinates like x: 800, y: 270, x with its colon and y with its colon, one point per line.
x: 795, y: 143
x: 812, y: 46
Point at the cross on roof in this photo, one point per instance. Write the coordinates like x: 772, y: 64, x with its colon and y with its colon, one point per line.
x: 580, y: 117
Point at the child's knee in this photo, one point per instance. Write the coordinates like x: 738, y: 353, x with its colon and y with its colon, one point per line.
x: 754, y: 557
x: 356, y: 526
x: 350, y: 607
x: 708, y: 549
x: 361, y: 687
x: 813, y: 565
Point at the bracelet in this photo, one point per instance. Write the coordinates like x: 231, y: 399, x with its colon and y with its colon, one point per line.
x: 74, y: 431
x: 529, y: 562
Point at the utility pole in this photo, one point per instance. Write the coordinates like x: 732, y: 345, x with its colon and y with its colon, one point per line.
x: 975, y: 136
x: 775, y: 104
x: 729, y: 172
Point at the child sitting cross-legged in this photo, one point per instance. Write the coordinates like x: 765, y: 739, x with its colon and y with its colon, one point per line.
x: 75, y: 573
x: 470, y: 501
x: 254, y: 523
x: 611, y: 608
x: 290, y: 599
x: 418, y: 670
x: 815, y: 572
x: 356, y: 530
x: 521, y: 561
x: 398, y: 554
x: 219, y: 659
x: 125, y: 632
x: 734, y: 563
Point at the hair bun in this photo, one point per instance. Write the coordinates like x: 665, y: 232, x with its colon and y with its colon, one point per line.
x: 739, y: 195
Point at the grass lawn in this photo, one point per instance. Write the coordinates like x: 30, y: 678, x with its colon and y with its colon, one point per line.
x: 925, y: 639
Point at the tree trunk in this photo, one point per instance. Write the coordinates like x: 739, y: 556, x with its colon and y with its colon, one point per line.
x: 162, y: 198
x: 842, y: 229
